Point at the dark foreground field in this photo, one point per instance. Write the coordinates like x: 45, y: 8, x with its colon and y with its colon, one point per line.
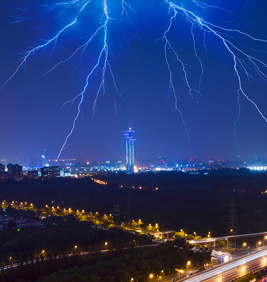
x: 199, y: 203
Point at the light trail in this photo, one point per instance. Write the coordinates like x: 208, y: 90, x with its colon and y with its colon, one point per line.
x: 216, y: 274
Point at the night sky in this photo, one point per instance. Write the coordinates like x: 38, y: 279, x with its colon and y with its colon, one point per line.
x: 30, y: 111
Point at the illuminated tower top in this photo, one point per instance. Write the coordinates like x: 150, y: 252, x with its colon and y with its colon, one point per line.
x: 129, y: 133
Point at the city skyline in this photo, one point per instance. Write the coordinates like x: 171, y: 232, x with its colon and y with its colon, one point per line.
x: 30, y: 109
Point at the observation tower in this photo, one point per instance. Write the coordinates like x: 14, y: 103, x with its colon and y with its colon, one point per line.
x: 129, y: 150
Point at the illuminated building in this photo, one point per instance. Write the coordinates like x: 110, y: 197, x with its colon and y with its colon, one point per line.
x: 3, y: 173
x: 15, y: 171
x: 2, y: 168
x: 62, y: 162
x: 33, y: 174
x: 50, y: 172
x: 129, y: 150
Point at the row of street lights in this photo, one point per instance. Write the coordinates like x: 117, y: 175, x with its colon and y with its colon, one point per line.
x: 258, y: 244
x: 182, y: 270
x: 151, y: 276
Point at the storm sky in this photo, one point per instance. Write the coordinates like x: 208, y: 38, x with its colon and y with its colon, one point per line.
x: 31, y: 115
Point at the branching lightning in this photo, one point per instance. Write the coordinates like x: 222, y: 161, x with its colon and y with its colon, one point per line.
x: 103, y: 56
x: 242, y: 60
x: 224, y: 35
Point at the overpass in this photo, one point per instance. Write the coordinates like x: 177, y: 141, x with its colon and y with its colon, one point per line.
x: 233, y: 269
x: 214, y: 239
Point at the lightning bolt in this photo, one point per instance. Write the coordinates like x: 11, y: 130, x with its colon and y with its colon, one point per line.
x: 103, y: 57
x: 228, y: 41
x: 243, y: 63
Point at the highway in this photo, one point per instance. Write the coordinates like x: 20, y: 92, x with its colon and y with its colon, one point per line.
x: 232, y: 269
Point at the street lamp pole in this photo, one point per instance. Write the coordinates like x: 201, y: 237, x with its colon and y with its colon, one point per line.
x: 179, y: 272
x: 187, y: 266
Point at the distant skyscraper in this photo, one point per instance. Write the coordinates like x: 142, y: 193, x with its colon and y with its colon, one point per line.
x: 15, y: 171
x: 10, y: 169
x: 32, y: 163
x: 45, y: 157
x: 3, y: 173
x: 129, y: 150
x: 2, y: 168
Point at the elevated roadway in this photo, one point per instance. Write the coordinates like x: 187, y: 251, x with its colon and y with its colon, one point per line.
x: 233, y: 269
x: 214, y: 239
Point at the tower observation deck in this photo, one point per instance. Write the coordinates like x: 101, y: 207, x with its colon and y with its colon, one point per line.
x: 129, y: 150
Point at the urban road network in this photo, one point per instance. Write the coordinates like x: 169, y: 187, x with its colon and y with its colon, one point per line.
x: 225, y: 272
x: 233, y: 269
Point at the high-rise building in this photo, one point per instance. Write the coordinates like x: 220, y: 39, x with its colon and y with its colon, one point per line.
x: 129, y: 150
x: 15, y: 171
x: 9, y: 169
x: 2, y: 168
x: 3, y: 173
x: 50, y: 172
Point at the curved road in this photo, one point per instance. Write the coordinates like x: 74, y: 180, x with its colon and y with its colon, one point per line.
x: 232, y: 269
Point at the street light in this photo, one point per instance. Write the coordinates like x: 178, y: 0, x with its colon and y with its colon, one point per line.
x: 244, y: 244
x: 179, y: 272
x: 188, y: 265
x: 106, y: 243
x: 151, y: 276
